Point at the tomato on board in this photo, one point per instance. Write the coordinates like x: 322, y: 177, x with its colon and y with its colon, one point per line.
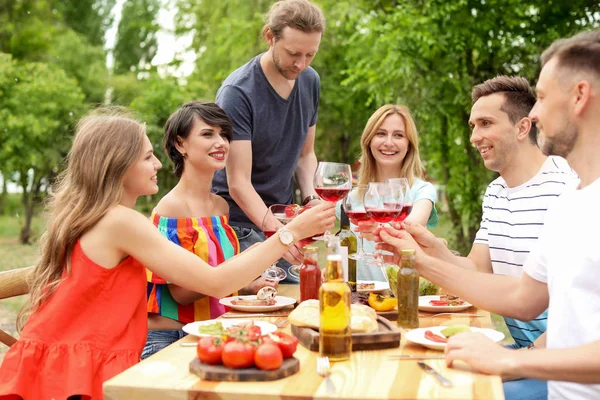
x: 238, y: 354
x: 210, y: 349
x: 268, y: 356
x: 287, y: 343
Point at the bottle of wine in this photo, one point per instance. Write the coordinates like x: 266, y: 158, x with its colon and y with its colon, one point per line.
x: 348, y: 239
x: 408, y: 291
x: 335, y: 340
x: 310, y: 275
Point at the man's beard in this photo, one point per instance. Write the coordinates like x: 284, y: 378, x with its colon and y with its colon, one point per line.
x: 285, y: 73
x: 562, y: 144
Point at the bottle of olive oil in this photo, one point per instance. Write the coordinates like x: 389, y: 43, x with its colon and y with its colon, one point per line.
x: 335, y: 340
x: 348, y: 239
x: 408, y: 291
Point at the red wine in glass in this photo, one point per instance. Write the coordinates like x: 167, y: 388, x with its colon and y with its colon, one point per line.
x: 268, y: 233
x: 404, y: 213
x: 382, y: 215
x: 332, y: 194
x: 358, y: 216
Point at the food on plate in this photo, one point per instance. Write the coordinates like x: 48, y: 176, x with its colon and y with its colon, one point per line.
x: 287, y: 343
x: 253, y: 302
x: 427, y: 288
x: 210, y: 350
x: 245, y: 331
x: 266, y: 293
x: 215, y: 328
x: 454, y: 329
x: 360, y: 298
x: 365, y: 285
x: 446, y: 333
x: 447, y: 300
x: 363, y: 318
x: 382, y: 303
x: 238, y: 354
x: 268, y: 356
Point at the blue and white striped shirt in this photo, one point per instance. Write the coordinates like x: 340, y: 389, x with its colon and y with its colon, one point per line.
x: 511, y: 222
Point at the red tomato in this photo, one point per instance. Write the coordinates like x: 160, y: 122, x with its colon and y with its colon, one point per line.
x: 209, y: 350
x: 291, y: 210
x: 268, y: 356
x: 287, y: 343
x: 237, y: 354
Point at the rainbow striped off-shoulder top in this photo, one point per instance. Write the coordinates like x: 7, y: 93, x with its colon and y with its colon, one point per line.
x: 211, y: 239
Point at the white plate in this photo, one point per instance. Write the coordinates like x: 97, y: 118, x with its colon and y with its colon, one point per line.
x: 418, y: 336
x: 192, y: 328
x: 281, y: 301
x: 425, y: 306
x: 379, y: 287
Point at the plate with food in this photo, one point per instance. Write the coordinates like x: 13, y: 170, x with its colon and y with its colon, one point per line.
x: 442, y: 303
x: 265, y: 300
x: 371, y: 286
x: 435, y: 337
x: 217, y: 327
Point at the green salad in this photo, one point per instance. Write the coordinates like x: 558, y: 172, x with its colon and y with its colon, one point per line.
x: 426, y: 288
x: 215, y: 328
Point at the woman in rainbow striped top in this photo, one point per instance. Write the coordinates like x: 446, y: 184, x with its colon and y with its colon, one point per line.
x: 197, y: 142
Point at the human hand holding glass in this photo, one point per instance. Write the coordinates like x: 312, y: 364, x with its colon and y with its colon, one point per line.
x: 383, y: 203
x: 284, y: 213
x: 332, y: 182
x: 355, y: 209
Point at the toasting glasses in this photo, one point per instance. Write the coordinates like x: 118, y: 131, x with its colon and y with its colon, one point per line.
x: 408, y: 199
x: 383, y: 203
x: 332, y: 182
x: 355, y: 209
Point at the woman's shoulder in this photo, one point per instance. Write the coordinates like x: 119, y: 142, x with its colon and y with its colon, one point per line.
x: 170, y: 204
x: 221, y: 205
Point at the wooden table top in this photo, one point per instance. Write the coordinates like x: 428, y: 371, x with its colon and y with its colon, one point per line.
x: 367, y: 375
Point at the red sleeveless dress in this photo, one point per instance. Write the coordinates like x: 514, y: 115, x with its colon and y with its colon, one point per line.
x: 93, y: 327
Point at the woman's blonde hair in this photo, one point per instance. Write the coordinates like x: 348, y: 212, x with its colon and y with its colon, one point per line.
x: 107, y: 142
x: 412, y: 167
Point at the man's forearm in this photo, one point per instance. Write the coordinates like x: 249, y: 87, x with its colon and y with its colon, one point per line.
x: 495, y: 293
x: 577, y: 364
x: 305, y: 172
x: 249, y: 201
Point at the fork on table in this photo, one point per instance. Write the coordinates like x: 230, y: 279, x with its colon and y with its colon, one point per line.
x: 324, y: 369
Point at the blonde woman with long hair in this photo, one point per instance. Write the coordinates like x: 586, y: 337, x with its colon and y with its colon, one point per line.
x: 86, y: 318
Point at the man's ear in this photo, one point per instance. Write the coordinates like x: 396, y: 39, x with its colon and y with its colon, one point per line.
x: 582, y: 96
x: 270, y: 37
x: 524, y: 126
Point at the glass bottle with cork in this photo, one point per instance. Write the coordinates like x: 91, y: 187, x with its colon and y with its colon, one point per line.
x: 348, y: 239
x: 408, y: 291
x: 335, y: 340
x: 310, y: 275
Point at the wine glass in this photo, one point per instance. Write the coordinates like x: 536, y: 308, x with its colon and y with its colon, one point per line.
x: 408, y: 200
x: 332, y: 182
x: 355, y: 209
x: 284, y: 214
x: 383, y: 203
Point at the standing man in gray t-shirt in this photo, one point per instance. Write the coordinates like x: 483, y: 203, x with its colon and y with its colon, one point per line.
x: 272, y: 102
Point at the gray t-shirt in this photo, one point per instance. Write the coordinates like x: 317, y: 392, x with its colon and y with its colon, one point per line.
x: 276, y: 126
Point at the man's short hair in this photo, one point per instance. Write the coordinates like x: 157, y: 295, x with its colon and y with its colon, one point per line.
x: 519, y: 98
x: 577, y: 53
x: 297, y: 14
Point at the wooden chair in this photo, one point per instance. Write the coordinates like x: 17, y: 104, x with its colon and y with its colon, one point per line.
x: 13, y: 283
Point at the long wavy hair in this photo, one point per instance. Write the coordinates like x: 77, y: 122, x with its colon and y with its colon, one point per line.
x: 106, y: 143
x: 412, y: 167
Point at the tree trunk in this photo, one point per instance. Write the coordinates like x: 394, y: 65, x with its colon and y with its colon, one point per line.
x: 3, y: 195
x: 29, y: 200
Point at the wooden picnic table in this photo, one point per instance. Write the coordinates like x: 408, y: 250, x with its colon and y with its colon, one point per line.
x: 367, y: 375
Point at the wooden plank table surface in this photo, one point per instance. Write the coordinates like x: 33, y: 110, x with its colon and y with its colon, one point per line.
x: 367, y: 375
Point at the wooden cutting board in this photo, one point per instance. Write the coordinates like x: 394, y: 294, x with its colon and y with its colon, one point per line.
x: 388, y: 336
x: 221, y: 373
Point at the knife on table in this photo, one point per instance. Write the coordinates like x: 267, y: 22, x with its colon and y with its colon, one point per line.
x: 443, y: 381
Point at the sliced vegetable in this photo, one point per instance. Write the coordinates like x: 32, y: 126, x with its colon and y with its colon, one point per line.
x: 434, y: 337
x: 382, y: 303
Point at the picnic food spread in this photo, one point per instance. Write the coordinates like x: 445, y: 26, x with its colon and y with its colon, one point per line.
x: 447, y: 300
x: 264, y: 297
x: 446, y: 332
x: 363, y: 318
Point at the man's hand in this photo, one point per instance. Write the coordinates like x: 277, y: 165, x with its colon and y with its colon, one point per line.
x: 481, y: 353
x: 366, y: 228
x: 394, y: 240
x: 428, y: 242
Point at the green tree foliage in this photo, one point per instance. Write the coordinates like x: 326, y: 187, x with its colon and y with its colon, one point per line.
x: 41, y: 104
x: 91, y: 18
x: 136, y: 37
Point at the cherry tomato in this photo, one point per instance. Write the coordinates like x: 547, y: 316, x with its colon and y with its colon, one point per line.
x: 210, y: 350
x: 287, y: 343
x: 268, y: 356
x: 237, y: 354
x: 291, y: 210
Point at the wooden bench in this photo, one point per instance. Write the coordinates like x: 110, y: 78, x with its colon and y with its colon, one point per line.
x: 13, y: 283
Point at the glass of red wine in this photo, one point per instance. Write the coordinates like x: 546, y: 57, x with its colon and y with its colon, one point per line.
x: 383, y: 202
x: 355, y: 209
x: 332, y: 182
x: 407, y: 195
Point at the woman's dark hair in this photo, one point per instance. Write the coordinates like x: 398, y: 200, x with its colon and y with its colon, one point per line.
x: 180, y: 123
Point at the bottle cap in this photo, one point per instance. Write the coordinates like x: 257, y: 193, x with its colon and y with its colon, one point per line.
x: 311, y: 249
x: 408, y: 252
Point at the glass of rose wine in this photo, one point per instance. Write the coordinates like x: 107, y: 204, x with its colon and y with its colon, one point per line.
x: 284, y: 214
x: 355, y: 209
x: 332, y: 182
x: 383, y: 202
x: 407, y: 195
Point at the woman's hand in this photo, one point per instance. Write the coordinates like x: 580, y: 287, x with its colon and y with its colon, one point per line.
x: 258, y: 284
x: 313, y: 221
